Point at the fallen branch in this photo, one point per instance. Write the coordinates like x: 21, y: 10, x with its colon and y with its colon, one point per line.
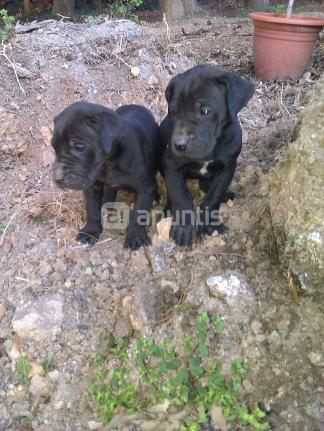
x: 4, y: 54
x: 194, y: 33
x: 168, y: 32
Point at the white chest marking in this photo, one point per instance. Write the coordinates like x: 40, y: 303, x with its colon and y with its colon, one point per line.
x: 203, y: 170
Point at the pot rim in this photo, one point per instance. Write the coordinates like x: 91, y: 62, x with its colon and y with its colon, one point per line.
x: 295, y: 19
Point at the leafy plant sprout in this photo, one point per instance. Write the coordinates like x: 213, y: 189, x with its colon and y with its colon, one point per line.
x: 182, y: 376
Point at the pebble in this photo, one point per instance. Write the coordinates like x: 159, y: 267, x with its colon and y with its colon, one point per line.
x: 37, y: 370
x: 39, y: 319
x: 256, y: 327
x: 135, y: 71
x: 88, y: 270
x: 45, y: 269
x: 316, y: 358
x: 102, y: 291
x: 94, y: 425
x: 2, y: 311
x: 123, y: 328
x: 40, y: 387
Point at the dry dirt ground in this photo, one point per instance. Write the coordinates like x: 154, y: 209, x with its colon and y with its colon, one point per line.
x: 60, y: 301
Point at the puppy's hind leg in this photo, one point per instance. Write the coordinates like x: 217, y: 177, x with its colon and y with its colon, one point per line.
x: 90, y: 233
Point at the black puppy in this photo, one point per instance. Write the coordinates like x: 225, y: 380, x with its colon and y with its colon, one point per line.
x: 203, y: 139
x: 100, y: 151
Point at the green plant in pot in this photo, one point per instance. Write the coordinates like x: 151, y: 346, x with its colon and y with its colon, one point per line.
x: 283, y: 43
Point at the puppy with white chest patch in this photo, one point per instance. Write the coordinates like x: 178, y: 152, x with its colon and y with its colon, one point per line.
x: 203, y: 139
x: 101, y: 151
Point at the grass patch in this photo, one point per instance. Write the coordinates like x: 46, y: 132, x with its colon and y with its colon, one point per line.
x: 183, y: 377
x: 23, y: 369
x: 48, y: 365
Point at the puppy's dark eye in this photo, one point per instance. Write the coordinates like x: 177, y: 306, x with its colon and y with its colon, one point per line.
x: 204, y: 110
x: 77, y: 146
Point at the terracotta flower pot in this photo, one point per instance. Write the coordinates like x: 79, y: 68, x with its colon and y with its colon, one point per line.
x: 283, y: 46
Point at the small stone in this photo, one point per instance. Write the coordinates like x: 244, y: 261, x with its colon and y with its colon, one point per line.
x: 105, y: 341
x: 40, y: 319
x: 93, y: 425
x: 230, y: 286
x: 103, y: 291
x: 316, y: 358
x: 40, y: 387
x: 153, y: 81
x: 88, y: 270
x: 230, y: 203
x: 163, y: 231
x: 68, y: 284
x: 123, y: 328
x: 260, y: 338
x: 178, y: 257
x: 54, y: 376
x: 37, y: 370
x: 45, y: 269
x: 2, y: 311
x: 135, y: 71
x: 140, y: 261
x: 256, y: 327
x: 217, y: 418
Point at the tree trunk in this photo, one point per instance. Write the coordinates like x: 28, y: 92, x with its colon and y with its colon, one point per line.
x: 27, y: 8
x: 258, y: 5
x: 175, y: 9
x: 64, y: 7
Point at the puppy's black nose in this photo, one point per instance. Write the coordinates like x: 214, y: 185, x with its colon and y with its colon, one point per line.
x: 181, y: 143
x: 58, y: 175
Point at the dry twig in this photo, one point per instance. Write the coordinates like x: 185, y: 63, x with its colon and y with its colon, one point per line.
x: 4, y: 54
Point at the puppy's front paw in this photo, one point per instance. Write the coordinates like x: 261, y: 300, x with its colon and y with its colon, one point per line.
x: 85, y: 237
x: 183, y: 234
x: 136, y: 239
x: 209, y: 230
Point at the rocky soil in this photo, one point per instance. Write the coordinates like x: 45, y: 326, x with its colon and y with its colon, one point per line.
x: 61, y: 302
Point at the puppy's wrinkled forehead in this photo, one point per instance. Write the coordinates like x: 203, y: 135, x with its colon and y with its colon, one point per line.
x: 196, y: 91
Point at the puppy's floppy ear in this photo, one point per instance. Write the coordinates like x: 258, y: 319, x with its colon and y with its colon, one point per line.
x: 112, y: 130
x: 169, y: 91
x: 76, y: 112
x: 239, y: 92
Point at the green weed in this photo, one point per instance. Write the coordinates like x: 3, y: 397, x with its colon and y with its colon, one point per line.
x: 23, y: 368
x: 38, y: 220
x: 124, y: 7
x: 2, y: 226
x: 184, y: 377
x: 244, y: 12
x: 48, y: 365
x: 278, y: 8
x: 7, y: 21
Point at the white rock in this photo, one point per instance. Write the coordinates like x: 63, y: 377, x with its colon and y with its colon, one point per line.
x: 54, y: 376
x: 93, y: 425
x: 163, y: 230
x: 40, y: 319
x: 135, y: 71
x: 229, y: 285
x: 316, y: 359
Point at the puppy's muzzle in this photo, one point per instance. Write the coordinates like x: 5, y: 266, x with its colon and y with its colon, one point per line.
x: 58, y: 175
x: 181, y: 143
